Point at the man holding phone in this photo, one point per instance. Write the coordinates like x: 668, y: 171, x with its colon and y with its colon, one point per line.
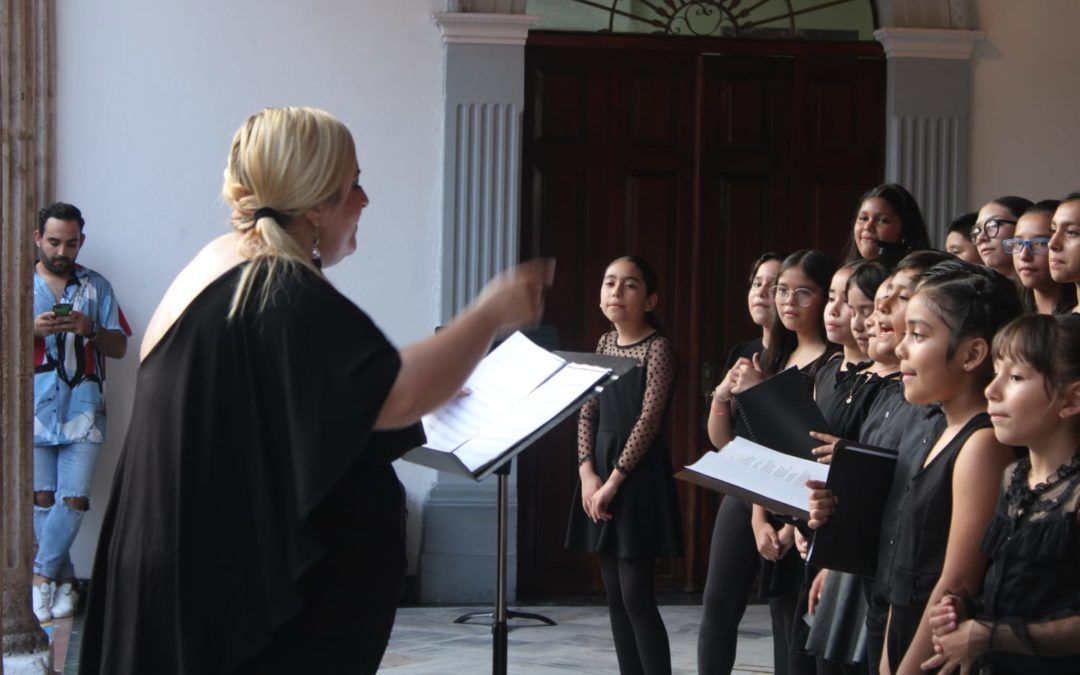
x: 77, y: 324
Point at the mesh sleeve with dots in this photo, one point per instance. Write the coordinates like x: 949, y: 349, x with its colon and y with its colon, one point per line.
x: 587, y: 418
x: 658, y: 356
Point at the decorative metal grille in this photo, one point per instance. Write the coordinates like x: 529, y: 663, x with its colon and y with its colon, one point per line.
x: 712, y: 17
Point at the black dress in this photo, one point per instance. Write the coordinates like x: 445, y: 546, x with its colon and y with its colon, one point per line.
x: 626, y: 427
x: 1034, y: 549
x: 255, y: 523
x: 921, y: 539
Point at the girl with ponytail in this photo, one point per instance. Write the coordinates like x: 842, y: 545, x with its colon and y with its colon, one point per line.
x: 950, y: 493
x: 256, y: 524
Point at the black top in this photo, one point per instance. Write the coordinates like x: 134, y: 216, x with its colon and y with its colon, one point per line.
x: 917, y: 428
x: 926, y: 510
x: 890, y: 416
x: 624, y: 428
x: 828, y: 379
x: 743, y: 350
x: 846, y: 396
x: 249, y: 469
x: 1034, y: 548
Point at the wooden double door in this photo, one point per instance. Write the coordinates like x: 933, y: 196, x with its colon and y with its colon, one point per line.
x: 698, y: 155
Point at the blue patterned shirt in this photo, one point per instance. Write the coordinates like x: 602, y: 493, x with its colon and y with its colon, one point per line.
x: 69, y: 373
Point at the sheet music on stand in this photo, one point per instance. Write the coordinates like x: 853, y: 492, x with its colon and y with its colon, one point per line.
x: 517, y: 393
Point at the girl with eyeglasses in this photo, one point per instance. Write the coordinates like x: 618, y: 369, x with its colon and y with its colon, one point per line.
x: 888, y: 223
x: 950, y: 492
x: 1030, y: 249
x: 1065, y: 244
x: 996, y: 223
x: 798, y: 339
x: 625, y: 510
x: 733, y: 557
x: 1020, y: 624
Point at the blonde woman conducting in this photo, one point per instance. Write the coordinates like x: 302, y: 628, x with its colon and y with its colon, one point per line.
x: 256, y: 524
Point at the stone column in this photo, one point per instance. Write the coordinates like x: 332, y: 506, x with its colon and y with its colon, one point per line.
x: 26, y: 123
x: 485, y: 66
x: 928, y: 118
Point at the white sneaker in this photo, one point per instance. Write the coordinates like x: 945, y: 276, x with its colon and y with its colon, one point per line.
x: 65, y: 599
x: 42, y: 598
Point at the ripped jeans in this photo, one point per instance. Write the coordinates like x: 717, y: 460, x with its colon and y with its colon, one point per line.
x: 66, y: 471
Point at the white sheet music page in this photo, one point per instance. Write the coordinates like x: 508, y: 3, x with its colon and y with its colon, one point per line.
x: 529, y: 414
x: 763, y: 471
x: 502, y: 379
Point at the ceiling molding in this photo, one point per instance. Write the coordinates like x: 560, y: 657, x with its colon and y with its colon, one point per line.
x: 928, y: 43
x: 484, y: 29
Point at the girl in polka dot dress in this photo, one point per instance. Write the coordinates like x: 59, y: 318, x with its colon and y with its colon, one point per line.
x: 625, y: 508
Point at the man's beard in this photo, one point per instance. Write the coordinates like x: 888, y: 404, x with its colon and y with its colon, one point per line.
x: 57, y: 264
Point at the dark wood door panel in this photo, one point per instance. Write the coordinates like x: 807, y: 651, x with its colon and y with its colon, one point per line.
x: 698, y: 161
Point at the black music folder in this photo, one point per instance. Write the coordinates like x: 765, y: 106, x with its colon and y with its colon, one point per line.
x: 780, y: 413
x: 860, y: 476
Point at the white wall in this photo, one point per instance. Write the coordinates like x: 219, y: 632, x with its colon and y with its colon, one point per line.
x: 148, y: 96
x: 1025, y: 100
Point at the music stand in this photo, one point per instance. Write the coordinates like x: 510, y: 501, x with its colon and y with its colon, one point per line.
x: 444, y: 461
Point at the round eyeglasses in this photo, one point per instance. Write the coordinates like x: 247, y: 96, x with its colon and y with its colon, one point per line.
x: 990, y: 226
x: 803, y: 296
x: 1037, y: 245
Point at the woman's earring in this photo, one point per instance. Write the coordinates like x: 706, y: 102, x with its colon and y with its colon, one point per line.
x: 316, y: 256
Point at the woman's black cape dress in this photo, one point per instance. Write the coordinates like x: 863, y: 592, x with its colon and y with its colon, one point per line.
x: 255, y: 523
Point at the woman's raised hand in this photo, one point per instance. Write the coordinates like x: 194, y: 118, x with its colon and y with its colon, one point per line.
x: 515, y: 298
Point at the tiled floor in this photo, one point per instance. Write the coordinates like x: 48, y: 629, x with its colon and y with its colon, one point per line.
x: 426, y: 641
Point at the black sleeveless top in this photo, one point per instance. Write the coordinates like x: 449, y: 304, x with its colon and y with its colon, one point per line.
x: 923, y: 531
x: 1034, y: 549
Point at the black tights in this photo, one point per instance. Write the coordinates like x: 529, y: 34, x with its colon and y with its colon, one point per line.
x: 786, y: 660
x: 641, y: 641
x: 733, y: 564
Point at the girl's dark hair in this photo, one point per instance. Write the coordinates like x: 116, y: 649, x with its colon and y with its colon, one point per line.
x: 867, y: 276
x: 963, y: 224
x: 782, y: 342
x: 1067, y: 301
x: 922, y: 260
x: 652, y: 285
x: 1016, y: 205
x: 913, y: 234
x: 762, y: 259
x: 1049, y: 344
x: 1064, y: 304
x: 972, y: 300
x: 1043, y: 207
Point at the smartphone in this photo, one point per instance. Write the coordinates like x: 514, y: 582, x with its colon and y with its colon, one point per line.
x: 62, y: 308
